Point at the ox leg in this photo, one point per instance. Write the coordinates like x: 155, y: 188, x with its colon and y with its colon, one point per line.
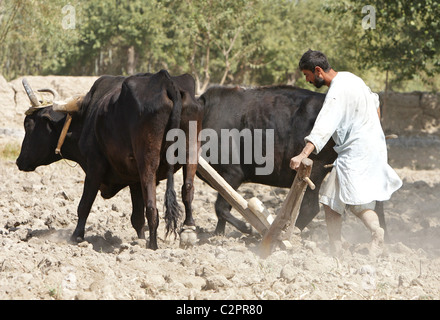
x: 137, y: 215
x: 147, y: 156
x: 189, y: 172
x: 310, y: 203
x: 91, y: 187
x: 149, y: 192
x: 223, y: 211
x: 309, y: 208
x: 188, y: 236
x: 148, y: 186
x: 153, y: 222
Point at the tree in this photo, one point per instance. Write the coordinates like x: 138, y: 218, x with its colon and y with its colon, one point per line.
x: 114, y: 36
x: 251, y: 42
x: 213, y: 37
x: 32, y: 37
x: 405, y: 39
x: 287, y: 30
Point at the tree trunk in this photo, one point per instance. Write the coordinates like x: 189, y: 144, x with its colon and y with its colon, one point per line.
x: 385, y: 96
x: 225, y: 74
x: 207, y: 77
x: 131, y: 61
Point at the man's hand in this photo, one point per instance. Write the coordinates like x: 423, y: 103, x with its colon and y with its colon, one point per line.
x: 296, y: 161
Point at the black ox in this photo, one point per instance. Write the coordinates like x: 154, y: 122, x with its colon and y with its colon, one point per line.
x: 291, y: 112
x: 117, y: 136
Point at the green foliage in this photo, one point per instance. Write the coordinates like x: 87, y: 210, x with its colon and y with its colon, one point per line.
x: 32, y: 39
x: 251, y: 42
x: 405, y: 42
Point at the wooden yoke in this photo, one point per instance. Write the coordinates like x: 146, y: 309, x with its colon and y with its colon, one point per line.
x: 286, y: 217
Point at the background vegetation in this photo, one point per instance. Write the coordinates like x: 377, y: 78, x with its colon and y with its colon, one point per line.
x: 244, y: 42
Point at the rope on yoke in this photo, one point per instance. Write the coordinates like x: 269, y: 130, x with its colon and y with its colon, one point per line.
x: 63, y: 137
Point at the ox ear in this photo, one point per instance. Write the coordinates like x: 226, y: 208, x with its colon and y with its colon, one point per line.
x: 71, y: 105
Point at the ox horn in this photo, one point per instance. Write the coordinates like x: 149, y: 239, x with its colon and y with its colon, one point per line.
x: 55, y: 94
x: 31, y: 94
x: 70, y: 105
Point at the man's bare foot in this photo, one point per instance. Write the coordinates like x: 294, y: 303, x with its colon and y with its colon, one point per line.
x: 336, y: 248
x: 377, y: 243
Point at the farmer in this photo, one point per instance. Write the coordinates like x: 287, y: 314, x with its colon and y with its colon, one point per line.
x: 361, y: 174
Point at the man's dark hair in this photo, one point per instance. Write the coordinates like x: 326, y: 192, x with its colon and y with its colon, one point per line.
x: 312, y: 59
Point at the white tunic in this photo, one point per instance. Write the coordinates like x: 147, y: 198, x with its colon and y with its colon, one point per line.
x: 349, y: 116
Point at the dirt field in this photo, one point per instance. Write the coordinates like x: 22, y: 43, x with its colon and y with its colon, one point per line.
x: 38, y: 215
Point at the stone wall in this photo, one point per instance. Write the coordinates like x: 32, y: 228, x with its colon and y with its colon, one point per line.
x: 411, y: 114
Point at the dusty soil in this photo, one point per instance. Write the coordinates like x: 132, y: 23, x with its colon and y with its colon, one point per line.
x: 37, y: 261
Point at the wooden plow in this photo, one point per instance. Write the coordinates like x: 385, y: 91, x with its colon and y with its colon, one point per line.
x: 272, y: 229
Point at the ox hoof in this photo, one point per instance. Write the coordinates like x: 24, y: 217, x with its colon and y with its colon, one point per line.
x: 251, y: 231
x: 188, y: 236
x: 76, y: 239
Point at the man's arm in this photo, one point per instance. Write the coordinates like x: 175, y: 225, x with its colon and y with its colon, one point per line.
x: 296, y: 161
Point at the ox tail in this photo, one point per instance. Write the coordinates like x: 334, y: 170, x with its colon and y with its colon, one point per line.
x: 172, y: 210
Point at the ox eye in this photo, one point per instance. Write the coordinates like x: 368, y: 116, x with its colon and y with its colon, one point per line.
x: 50, y: 125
